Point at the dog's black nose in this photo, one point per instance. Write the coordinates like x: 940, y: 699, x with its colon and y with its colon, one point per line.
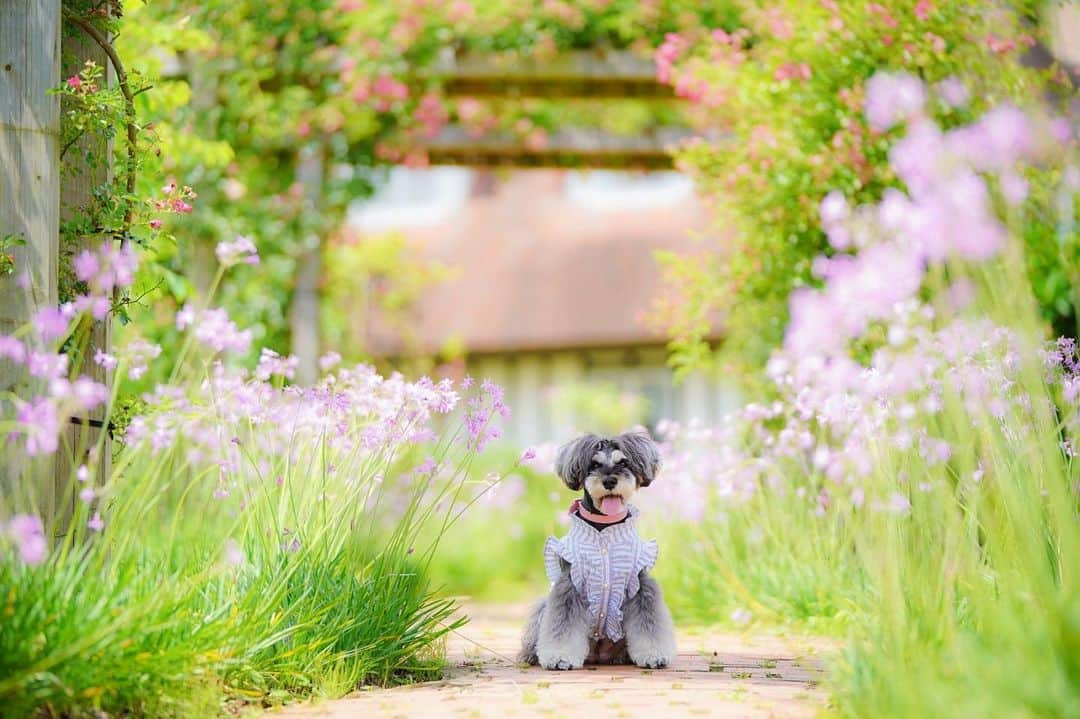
x: 610, y: 482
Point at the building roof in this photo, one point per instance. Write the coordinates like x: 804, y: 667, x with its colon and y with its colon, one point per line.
x: 541, y: 263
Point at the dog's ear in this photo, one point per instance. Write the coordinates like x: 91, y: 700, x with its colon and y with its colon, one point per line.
x: 641, y: 454
x: 572, y: 463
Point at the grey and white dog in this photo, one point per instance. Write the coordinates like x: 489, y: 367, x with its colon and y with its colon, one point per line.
x: 567, y: 628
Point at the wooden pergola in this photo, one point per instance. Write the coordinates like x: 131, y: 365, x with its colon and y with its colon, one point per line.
x: 579, y: 74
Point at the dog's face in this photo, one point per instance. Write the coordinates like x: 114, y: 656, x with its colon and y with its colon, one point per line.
x: 610, y: 469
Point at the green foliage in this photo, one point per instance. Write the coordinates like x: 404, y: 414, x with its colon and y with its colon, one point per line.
x: 788, y: 92
x: 372, y: 280
x: 600, y: 406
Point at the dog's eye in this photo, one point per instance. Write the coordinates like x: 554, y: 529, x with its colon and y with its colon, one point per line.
x: 594, y: 465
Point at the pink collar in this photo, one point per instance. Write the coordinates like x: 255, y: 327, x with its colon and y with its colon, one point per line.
x: 597, y: 518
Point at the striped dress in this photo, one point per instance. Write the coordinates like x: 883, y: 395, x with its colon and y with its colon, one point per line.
x: 604, y: 568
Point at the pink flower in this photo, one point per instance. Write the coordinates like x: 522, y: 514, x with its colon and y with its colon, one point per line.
x: 923, y: 8
x: 86, y: 265
x: 953, y: 92
x: 215, y: 330
x: 82, y: 473
x: 898, y: 504
x: 528, y: 455
x: 47, y: 365
x: 50, y: 323
x: 329, y: 360
x: 241, y: 250
x: 834, y: 208
x: 29, y: 536
x: 86, y: 495
x: 74, y: 82
x: 156, y: 223
x: 234, y: 556
x: 185, y: 316
x: 1014, y: 188
x: 892, y: 98
x: 12, y: 349
x: 41, y: 423
x: 96, y: 524
x: 88, y: 393
x: 105, y: 360
x: 271, y: 363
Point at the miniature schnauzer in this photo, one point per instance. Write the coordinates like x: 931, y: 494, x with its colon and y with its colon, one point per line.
x: 603, y: 607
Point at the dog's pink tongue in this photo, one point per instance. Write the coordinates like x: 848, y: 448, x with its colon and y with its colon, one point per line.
x: 611, y: 505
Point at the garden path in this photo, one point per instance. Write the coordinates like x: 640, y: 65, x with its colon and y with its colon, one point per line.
x: 716, y: 675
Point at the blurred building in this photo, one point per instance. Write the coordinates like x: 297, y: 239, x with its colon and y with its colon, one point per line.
x: 553, y: 278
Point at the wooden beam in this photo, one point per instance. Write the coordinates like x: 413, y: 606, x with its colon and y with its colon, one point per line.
x: 80, y: 178
x: 569, y: 147
x: 29, y: 196
x: 578, y: 73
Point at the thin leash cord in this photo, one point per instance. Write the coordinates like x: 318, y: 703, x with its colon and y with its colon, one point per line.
x: 500, y: 655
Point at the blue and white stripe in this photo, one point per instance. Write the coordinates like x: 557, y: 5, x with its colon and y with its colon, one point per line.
x: 604, y: 567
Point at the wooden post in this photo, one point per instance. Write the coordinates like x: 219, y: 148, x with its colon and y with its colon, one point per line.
x: 80, y: 175
x: 29, y: 185
x: 304, y: 311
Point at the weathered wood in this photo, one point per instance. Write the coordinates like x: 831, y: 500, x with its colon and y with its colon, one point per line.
x: 596, y: 73
x: 304, y: 310
x: 29, y: 184
x: 80, y: 175
x: 569, y: 147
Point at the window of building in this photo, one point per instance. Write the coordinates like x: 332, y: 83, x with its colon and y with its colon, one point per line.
x: 611, y: 190
x: 411, y: 197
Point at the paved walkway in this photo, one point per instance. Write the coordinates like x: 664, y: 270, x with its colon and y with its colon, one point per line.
x: 716, y: 675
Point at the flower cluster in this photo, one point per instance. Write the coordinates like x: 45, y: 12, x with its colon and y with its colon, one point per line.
x: 948, y: 212
x: 240, y: 251
x: 935, y: 387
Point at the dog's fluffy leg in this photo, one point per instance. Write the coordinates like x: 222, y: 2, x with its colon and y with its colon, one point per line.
x: 531, y: 634
x: 650, y: 633
x: 562, y: 641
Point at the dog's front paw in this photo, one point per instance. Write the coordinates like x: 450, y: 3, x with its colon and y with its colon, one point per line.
x: 560, y: 664
x: 652, y: 662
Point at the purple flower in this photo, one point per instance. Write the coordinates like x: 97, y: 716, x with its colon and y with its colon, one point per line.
x: 105, y: 360
x: 953, y: 92
x: 88, y: 393
x: 1014, y: 188
x: 29, y: 536
x: 47, y: 365
x: 12, y: 349
x: 87, y: 495
x: 834, y: 208
x: 82, y: 473
x: 271, y: 363
x: 41, y: 423
x: 528, y: 455
x: 892, y: 98
x: 95, y: 523
x: 50, y: 323
x: 139, y: 353
x: 234, y: 556
x: 215, y: 330
x: 86, y: 265
x: 185, y: 316
x: 242, y: 250
x: 898, y: 504
x: 329, y: 360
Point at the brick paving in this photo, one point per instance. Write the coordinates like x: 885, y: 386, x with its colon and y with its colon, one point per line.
x: 716, y: 675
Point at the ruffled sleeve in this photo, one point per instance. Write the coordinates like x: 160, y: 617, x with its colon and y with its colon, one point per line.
x: 555, y: 552
x: 644, y: 559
